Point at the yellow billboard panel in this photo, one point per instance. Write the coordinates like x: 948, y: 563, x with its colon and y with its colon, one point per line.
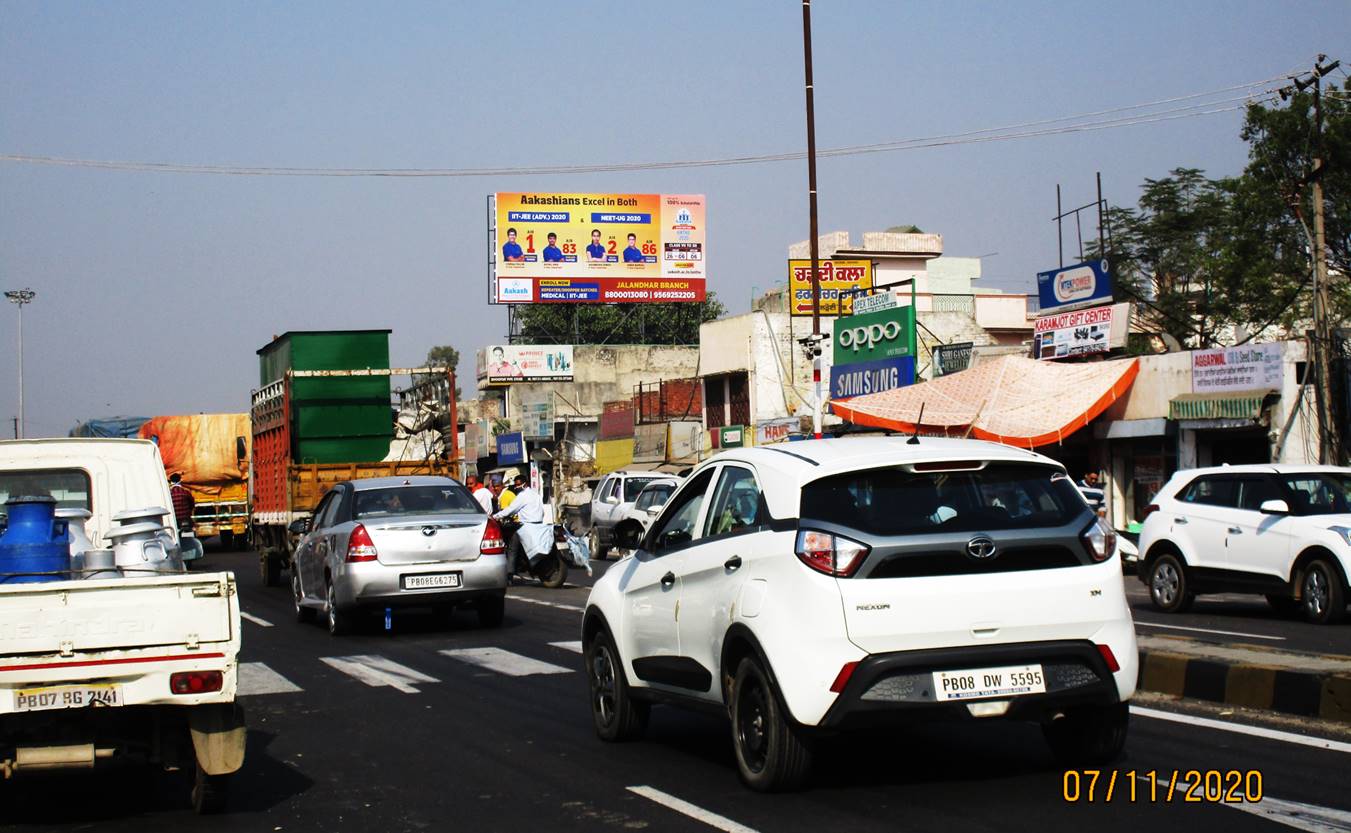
x: 836, y: 278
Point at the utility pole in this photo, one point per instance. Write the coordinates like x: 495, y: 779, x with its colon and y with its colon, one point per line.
x: 20, y: 297
x: 1329, y: 450
x: 812, y: 344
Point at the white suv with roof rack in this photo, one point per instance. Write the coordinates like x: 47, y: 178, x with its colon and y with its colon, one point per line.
x: 850, y: 583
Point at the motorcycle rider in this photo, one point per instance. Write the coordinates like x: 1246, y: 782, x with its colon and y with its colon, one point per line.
x: 535, y: 538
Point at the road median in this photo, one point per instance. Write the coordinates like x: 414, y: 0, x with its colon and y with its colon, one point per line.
x: 1304, y: 684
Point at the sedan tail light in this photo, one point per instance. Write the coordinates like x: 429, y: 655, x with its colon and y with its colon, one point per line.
x: 831, y: 554
x: 360, y: 547
x: 196, y: 682
x: 493, y: 543
x: 1099, y: 540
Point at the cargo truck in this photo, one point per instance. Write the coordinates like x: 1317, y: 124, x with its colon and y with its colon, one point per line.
x: 211, y: 452
x: 321, y: 416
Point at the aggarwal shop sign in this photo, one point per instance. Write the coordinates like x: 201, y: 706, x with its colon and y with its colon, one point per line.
x: 578, y: 248
x: 873, y: 352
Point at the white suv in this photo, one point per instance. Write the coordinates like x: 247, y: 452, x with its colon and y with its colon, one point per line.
x: 1282, y: 531
x: 846, y: 583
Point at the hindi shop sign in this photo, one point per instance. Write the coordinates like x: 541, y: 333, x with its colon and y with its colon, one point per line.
x: 835, y: 278
x: 1077, y: 333
x: 887, y: 334
x: 850, y: 380
x: 1081, y: 285
x: 1250, y: 367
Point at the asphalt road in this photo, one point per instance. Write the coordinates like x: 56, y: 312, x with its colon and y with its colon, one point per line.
x: 388, y: 732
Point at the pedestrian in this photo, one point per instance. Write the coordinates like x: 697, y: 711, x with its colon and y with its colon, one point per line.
x: 1090, y: 480
x: 182, y: 501
x: 480, y: 492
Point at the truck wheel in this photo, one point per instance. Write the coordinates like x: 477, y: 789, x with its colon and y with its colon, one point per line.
x: 209, y: 792
x: 772, y: 755
x: 593, y: 544
x: 271, y: 569
x: 339, y: 622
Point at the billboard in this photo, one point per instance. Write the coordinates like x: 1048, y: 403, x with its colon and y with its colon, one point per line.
x: 1082, y: 332
x: 1250, y: 367
x: 884, y: 334
x: 862, y: 378
x: 1081, y: 285
x: 835, y: 277
x: 537, y: 420
x: 574, y: 248
x: 504, y: 363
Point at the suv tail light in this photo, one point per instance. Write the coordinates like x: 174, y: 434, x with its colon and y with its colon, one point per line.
x: 196, y: 682
x: 493, y: 543
x: 830, y: 554
x: 1149, y: 510
x: 360, y: 547
x: 1099, y: 539
x: 1109, y: 658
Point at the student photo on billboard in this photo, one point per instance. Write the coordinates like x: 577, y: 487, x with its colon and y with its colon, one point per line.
x: 511, y: 250
x: 553, y: 254
x: 633, y: 254
x: 596, y: 251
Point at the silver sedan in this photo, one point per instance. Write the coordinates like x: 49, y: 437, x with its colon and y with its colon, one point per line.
x: 398, y: 542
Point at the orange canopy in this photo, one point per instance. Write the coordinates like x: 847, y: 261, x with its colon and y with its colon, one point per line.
x: 1011, y: 399
x: 201, y: 446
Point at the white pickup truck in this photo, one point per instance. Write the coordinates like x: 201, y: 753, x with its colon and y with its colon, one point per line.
x: 95, y: 672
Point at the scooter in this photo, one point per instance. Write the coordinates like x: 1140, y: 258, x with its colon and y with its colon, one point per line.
x: 549, y: 569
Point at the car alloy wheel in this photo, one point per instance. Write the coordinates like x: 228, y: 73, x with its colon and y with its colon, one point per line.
x: 603, y: 684
x: 338, y: 622
x: 1165, y: 584
x: 303, y: 613
x: 1315, y: 593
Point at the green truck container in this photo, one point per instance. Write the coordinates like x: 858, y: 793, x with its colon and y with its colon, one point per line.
x: 343, y: 419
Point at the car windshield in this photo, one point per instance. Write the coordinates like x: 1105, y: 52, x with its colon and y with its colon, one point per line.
x: 436, y: 499
x: 893, y: 501
x: 633, y: 486
x: 1320, y: 493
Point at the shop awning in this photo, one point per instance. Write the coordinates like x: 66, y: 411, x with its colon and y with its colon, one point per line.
x: 1011, y: 399
x: 1238, y: 404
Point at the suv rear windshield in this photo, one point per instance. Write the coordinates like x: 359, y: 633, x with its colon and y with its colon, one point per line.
x: 892, y: 501
x: 634, y: 485
x: 447, y: 499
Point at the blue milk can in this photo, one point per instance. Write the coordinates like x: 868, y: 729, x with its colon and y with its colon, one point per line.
x: 35, y: 541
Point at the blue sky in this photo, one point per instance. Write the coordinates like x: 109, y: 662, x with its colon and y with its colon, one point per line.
x: 155, y: 289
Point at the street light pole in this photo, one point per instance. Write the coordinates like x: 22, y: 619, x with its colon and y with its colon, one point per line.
x: 20, y: 297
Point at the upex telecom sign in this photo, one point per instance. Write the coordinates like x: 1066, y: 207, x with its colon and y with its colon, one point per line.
x: 573, y: 248
x: 1081, y: 285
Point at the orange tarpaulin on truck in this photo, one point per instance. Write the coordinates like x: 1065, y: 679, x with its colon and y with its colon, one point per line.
x: 1011, y: 399
x: 201, y: 446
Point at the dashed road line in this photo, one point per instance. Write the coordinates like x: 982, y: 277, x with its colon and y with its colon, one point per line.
x: 558, y: 605
x: 1296, y: 814
x: 694, y: 811
x: 258, y: 678
x: 249, y: 617
x: 377, y: 671
x: 575, y: 647
x: 504, y: 662
x: 1209, y: 630
x: 1244, y: 729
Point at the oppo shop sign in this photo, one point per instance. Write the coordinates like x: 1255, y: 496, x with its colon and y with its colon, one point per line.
x: 885, y: 334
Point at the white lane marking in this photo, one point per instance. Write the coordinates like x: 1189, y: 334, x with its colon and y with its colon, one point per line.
x: 262, y: 623
x: 1208, y: 630
x: 377, y: 671
x: 504, y: 662
x: 558, y: 605
x: 257, y: 678
x: 1256, y: 731
x: 1298, y: 815
x: 575, y: 647
x: 695, y: 812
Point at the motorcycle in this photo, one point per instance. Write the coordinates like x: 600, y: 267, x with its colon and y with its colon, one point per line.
x: 549, y: 569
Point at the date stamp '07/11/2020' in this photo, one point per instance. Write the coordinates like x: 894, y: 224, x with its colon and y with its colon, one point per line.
x: 1192, y: 786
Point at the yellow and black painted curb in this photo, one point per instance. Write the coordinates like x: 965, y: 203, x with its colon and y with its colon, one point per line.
x: 1304, y: 693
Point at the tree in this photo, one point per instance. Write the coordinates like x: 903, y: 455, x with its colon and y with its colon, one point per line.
x: 444, y: 355
x: 616, y: 323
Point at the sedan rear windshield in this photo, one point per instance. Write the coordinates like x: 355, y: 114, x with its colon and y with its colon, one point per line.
x: 893, y: 501
x: 447, y: 499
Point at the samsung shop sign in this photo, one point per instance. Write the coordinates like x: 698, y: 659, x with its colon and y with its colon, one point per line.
x: 873, y: 353
x: 1081, y: 285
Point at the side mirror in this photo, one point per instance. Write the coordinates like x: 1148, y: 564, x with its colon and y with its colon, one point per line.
x: 654, y: 511
x: 299, y: 526
x: 612, y: 499
x: 628, y: 536
x: 241, y: 449
x: 1274, y: 507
